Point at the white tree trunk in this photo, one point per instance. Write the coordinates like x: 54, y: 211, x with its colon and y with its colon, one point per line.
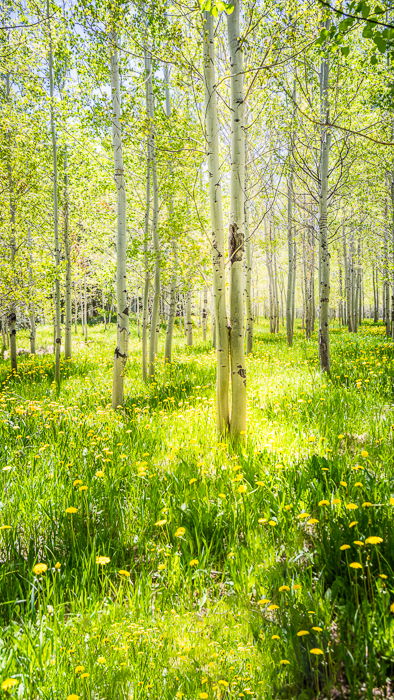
x: 122, y: 307
x: 174, y: 247
x: 145, y: 301
x: 220, y: 329
x: 32, y: 310
x: 189, y: 322
x: 67, y: 253
x: 57, y: 326
x: 324, y: 254
x: 155, y: 318
x: 237, y: 227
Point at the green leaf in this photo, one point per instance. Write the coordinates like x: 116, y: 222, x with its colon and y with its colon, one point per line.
x: 345, y: 50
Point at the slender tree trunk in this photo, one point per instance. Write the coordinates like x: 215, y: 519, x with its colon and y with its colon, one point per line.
x: 221, y: 336
x: 291, y: 262
x: 145, y: 300
x: 122, y: 307
x: 324, y: 254
x: 204, y: 314
x: 248, y: 267
x: 56, y: 241
x: 67, y: 253
x: 237, y: 227
x: 155, y: 318
x: 188, y: 315
x: 392, y: 245
x: 32, y: 310
x: 174, y: 247
x: 12, y: 206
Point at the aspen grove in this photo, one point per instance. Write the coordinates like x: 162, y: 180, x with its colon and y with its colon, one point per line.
x: 197, y: 359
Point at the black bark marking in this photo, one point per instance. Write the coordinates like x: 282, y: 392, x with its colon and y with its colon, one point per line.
x: 235, y: 243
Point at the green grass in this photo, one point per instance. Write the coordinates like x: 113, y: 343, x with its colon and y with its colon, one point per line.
x: 188, y: 617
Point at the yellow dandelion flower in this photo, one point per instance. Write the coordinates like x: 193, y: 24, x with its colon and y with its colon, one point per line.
x: 302, y: 633
x: 301, y: 516
x: 340, y: 436
x: 284, y: 662
x: 343, y: 483
x: 83, y: 488
x: 161, y: 567
x: 284, y: 588
x: 76, y: 482
x: 193, y: 562
x: 391, y: 501
x: 263, y: 601
x: 275, y: 636
x: 100, y: 474
x: 180, y: 532
x: 102, y: 561
x: 364, y: 453
x: 101, y: 660
x: 323, y: 502
x: 392, y: 607
x: 86, y: 675
x: 203, y: 695
x: 242, y: 488
x: 79, y: 669
x: 355, y: 565
x: 336, y: 501
x: 317, y: 629
x: 222, y: 495
x: 344, y: 546
x: 73, y: 697
x: 71, y: 510
x: 297, y: 587
x: 40, y: 569
x: 193, y: 480
x: 353, y: 523
x: 383, y: 576
x: 351, y: 506
x: 366, y: 504
x: 58, y: 565
x: 160, y: 523
x: 312, y: 521
x: 9, y: 683
x: 273, y: 523
x: 316, y: 651
x: 273, y: 607
x: 5, y: 527
x: 123, y: 572
x: 359, y: 543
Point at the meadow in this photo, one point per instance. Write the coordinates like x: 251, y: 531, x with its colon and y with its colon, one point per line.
x: 143, y: 558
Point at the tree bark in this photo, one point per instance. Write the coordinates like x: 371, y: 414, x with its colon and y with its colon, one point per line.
x: 237, y: 227
x: 122, y: 307
x: 67, y: 253
x: 220, y: 330
x: 174, y: 247
x: 324, y: 254
x: 57, y: 320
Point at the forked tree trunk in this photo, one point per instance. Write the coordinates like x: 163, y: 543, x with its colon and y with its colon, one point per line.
x: 122, y: 307
x: 324, y: 253
x: 219, y: 326
x: 237, y: 227
x: 57, y: 319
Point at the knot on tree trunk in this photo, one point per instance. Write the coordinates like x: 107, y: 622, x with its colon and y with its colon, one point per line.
x: 235, y: 243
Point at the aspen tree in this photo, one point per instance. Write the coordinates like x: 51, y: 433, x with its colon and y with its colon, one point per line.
x: 324, y: 253
x: 67, y: 253
x: 221, y: 339
x: 174, y: 247
x: 57, y: 316
x: 122, y: 307
x: 237, y: 226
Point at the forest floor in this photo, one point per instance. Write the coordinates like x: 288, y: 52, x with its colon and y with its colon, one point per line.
x: 175, y: 566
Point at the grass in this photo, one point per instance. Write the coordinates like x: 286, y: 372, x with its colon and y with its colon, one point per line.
x: 189, y: 569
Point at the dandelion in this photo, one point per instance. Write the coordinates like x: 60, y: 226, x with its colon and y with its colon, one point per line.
x: 351, y: 506
x: 123, y: 572
x: 383, y: 576
x: 323, y: 502
x: 297, y: 587
x: 5, y: 527
x: 301, y: 516
x: 317, y: 629
x: 102, y: 561
x: 161, y: 567
x: 192, y: 481
x: 9, y: 683
x: 73, y: 697
x: 100, y: 474
x: 71, y: 510
x: 263, y: 601
x: 366, y: 504
x: 355, y: 565
x: 353, y: 523
x: 203, y: 696
x: 344, y: 546
x: 343, y: 483
x: 40, y: 569
x: 58, y: 565
x: 76, y: 482
x: 101, y: 660
x: 364, y: 453
x: 341, y: 436
x: 391, y: 501
x: 359, y: 543
x: 193, y: 562
x: 242, y: 488
x: 83, y: 488
x: 312, y: 521
x: 275, y: 636
x: 284, y: 588
x: 180, y: 532
x: 392, y: 607
x: 160, y: 523
x: 79, y: 669
x: 284, y: 662
x: 302, y: 633
x: 273, y: 607
x: 316, y: 651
